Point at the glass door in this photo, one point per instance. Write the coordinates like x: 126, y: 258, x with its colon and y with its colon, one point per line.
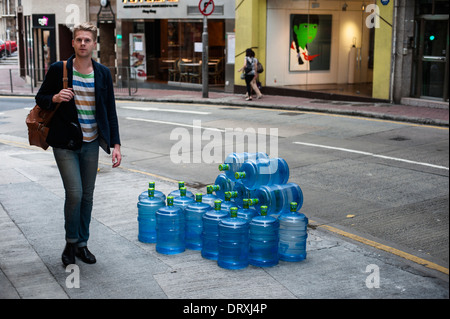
x: 432, y: 57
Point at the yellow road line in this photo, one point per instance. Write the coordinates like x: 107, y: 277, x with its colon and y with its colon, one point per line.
x: 388, y: 249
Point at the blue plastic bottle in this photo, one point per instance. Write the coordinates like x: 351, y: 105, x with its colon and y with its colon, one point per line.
x: 170, y: 229
x: 158, y: 194
x: 264, y: 240
x: 228, y: 203
x: 182, y: 201
x: 278, y: 197
x: 292, y: 244
x: 254, y: 174
x: 247, y: 212
x: 234, y: 161
x: 210, y: 233
x: 233, y: 242
x: 210, y: 198
x: 225, y: 185
x: 242, y: 193
x: 147, y: 208
x: 176, y: 192
x: 194, y: 222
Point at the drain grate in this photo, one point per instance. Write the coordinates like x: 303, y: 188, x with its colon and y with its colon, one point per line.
x: 290, y: 113
x: 399, y: 138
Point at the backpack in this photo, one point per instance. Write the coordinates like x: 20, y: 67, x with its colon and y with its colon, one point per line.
x: 259, y: 68
x: 248, y: 66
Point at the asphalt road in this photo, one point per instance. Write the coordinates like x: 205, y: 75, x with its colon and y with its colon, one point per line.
x: 381, y: 180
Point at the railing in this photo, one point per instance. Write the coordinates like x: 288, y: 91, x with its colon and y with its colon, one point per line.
x: 19, y: 81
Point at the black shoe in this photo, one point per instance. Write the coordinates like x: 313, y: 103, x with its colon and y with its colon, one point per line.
x: 68, y: 255
x: 85, y: 255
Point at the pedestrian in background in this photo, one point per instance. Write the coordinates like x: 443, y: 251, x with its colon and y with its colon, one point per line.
x: 85, y: 120
x: 249, y: 69
x: 254, y: 82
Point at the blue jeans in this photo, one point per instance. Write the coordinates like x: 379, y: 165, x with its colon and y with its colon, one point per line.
x: 78, y: 171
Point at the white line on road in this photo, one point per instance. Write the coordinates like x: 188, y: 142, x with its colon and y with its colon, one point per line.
x: 147, y: 109
x: 373, y: 155
x: 175, y: 124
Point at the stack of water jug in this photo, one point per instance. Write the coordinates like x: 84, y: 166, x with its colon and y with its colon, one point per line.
x: 249, y: 216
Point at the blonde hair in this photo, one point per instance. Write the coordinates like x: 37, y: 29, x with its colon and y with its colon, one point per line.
x: 86, y: 26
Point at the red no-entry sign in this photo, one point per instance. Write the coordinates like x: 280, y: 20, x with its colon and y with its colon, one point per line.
x: 206, y: 7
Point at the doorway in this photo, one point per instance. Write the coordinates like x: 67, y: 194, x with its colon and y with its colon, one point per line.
x: 45, y: 51
x: 431, y: 58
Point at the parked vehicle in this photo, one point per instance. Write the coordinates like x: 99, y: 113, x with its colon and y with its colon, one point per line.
x: 7, y: 47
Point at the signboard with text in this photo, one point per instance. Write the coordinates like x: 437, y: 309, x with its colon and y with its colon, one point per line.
x: 173, y: 9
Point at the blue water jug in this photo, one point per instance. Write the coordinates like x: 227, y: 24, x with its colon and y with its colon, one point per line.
x: 228, y: 203
x: 234, y: 161
x: 194, y: 222
x: 182, y: 201
x: 233, y: 242
x: 254, y: 174
x: 176, y: 192
x: 158, y: 194
x: 225, y: 185
x: 210, y: 198
x: 278, y: 197
x: 242, y: 193
x: 170, y: 229
x: 247, y: 212
x: 210, y: 233
x: 263, y: 236
x: 292, y: 243
x: 147, y: 208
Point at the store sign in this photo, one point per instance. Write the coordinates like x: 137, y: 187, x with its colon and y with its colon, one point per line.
x: 43, y: 20
x: 170, y: 9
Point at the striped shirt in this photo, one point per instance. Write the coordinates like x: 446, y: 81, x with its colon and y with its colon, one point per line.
x: 84, y: 89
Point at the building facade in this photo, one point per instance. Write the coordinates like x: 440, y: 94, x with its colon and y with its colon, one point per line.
x: 382, y: 50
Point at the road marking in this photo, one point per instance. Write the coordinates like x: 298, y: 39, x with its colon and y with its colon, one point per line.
x: 388, y: 249
x: 175, y: 124
x: 372, y: 154
x: 148, y: 109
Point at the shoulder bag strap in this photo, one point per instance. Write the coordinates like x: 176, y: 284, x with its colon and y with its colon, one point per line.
x: 65, y: 85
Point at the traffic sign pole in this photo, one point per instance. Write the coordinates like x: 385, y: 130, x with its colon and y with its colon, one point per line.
x: 206, y: 8
x: 205, y: 58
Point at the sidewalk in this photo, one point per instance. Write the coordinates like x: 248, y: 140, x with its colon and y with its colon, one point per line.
x: 32, y: 240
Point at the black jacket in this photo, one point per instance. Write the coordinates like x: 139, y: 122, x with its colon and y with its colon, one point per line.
x: 65, y: 130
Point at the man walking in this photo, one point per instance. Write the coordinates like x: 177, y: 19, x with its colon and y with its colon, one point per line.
x: 85, y: 120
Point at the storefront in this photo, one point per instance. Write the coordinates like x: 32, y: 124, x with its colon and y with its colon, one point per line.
x: 162, y: 40
x: 335, y: 47
x: 45, y: 34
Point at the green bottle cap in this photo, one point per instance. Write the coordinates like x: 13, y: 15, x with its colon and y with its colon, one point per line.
x: 227, y: 196
x: 182, y: 191
x: 293, y: 206
x: 264, y: 210
x: 217, y: 205
x: 245, y: 205
x: 169, y: 200
x: 253, y: 201
x: 233, y: 212
x: 239, y: 175
x: 224, y: 167
x: 233, y: 194
x: 209, y: 189
x: 198, y: 197
x: 151, y: 185
x: 180, y: 184
x: 151, y: 192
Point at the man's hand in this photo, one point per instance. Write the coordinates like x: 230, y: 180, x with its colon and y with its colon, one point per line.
x: 116, y: 156
x: 65, y: 95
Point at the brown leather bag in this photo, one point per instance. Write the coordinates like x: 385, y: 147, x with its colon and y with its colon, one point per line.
x: 38, y: 119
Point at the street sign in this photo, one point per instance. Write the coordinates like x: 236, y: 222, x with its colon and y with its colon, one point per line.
x: 206, y: 7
